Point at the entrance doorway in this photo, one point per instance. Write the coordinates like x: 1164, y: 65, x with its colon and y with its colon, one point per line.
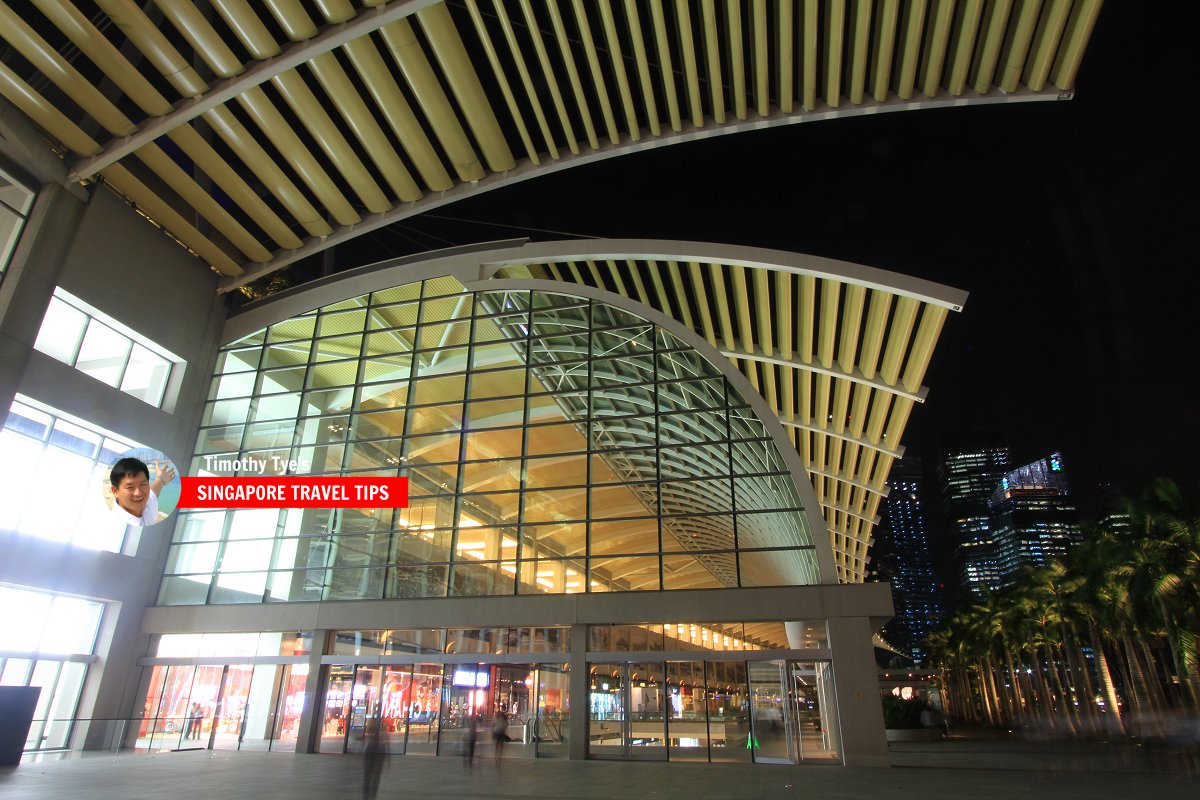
x: 790, y: 712
x: 626, y: 709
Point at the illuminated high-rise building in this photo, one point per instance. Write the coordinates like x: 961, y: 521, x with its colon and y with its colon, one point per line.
x: 968, y: 474
x: 915, y: 591
x: 1033, y: 515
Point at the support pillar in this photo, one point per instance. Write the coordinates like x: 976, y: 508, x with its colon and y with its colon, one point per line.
x: 30, y: 279
x: 580, y: 710
x: 856, y: 686
x: 308, y: 733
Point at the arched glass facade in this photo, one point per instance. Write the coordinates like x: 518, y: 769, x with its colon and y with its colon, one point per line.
x: 553, y: 444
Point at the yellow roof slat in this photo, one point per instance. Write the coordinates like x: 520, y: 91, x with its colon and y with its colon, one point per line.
x: 762, y: 59
x: 514, y: 49
x: 851, y: 326
x: 821, y: 398
x: 721, y: 294
x: 898, y: 338
x: 639, y: 285
x: 350, y: 105
x: 741, y: 298
x: 701, y: 292
x: 873, y: 332
x: 928, y: 331
x: 662, y: 300
x: 987, y: 51
x: 264, y: 113
x: 464, y: 82
x: 666, y: 72
x: 762, y: 305
x: 805, y: 409
x: 510, y: 100
x: 786, y: 334
x: 737, y: 64
x: 937, y: 40
x: 589, y: 47
x: 618, y: 65
x: 1070, y: 55
x: 402, y: 43
x: 912, y: 27
x: 787, y: 55
x: 841, y: 401
x: 617, y: 278
x: 1045, y: 43
x: 643, y: 66
x: 564, y: 50
x: 300, y: 98
x: 808, y: 53
x: 806, y: 310
x: 685, y: 307
x: 687, y: 47
x: 858, y: 409
x: 835, y: 40
x: 860, y: 48
x: 962, y: 45
x: 831, y: 298
x: 548, y: 74
x: 1016, y: 44
x: 712, y: 46
x: 887, y: 13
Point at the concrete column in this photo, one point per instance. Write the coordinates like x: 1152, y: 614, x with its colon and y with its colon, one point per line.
x: 578, y: 729
x: 32, y: 275
x: 308, y: 734
x: 856, y: 686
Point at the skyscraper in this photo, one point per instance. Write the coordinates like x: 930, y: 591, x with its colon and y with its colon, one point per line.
x: 915, y: 591
x: 968, y: 473
x: 1033, y: 515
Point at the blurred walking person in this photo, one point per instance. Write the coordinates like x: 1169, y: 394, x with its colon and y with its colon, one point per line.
x: 374, y: 755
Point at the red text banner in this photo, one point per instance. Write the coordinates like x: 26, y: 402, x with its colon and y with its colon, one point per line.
x: 291, y: 491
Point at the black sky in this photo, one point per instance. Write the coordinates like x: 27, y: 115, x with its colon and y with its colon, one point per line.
x: 1071, y: 224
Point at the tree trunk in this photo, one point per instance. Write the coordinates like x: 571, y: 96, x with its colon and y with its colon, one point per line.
x: 1112, y: 707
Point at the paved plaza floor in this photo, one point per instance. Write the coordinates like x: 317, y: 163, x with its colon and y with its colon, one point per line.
x: 963, y: 768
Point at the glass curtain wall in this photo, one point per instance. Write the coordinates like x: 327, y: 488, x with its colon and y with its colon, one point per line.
x: 553, y: 444
x: 49, y: 644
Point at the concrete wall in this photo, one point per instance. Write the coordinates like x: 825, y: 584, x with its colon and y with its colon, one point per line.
x: 101, y: 251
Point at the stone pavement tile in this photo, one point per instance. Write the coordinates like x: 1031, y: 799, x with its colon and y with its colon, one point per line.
x: 970, y: 773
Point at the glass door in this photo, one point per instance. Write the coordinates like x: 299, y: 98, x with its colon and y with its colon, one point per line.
x: 815, y: 725
x: 770, y: 713
x: 289, y: 708
x: 627, y: 708
x: 687, y: 715
x: 337, y: 708
x: 258, y: 717
x: 607, y: 702
x: 229, y: 712
x: 364, y: 707
x: 553, y: 710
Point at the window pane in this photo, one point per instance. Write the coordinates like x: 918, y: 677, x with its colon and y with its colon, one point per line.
x: 61, y: 330
x: 146, y: 376
x: 103, y: 353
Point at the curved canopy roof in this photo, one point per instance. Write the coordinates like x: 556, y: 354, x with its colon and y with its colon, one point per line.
x: 837, y: 350
x: 258, y: 133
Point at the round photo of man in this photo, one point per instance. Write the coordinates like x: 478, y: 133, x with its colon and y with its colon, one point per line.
x: 142, y: 487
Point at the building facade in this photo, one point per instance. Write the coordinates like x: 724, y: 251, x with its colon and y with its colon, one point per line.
x: 1034, y: 518
x: 969, y: 472
x: 612, y: 538
x: 916, y: 592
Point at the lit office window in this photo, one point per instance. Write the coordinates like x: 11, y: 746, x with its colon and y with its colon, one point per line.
x: 15, y: 202
x: 110, y: 353
x: 53, y: 476
x: 48, y: 645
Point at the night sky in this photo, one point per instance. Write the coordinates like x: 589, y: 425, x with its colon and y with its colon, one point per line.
x: 1071, y: 224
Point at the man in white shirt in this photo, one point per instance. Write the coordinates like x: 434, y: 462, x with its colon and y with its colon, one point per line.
x: 135, y: 497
